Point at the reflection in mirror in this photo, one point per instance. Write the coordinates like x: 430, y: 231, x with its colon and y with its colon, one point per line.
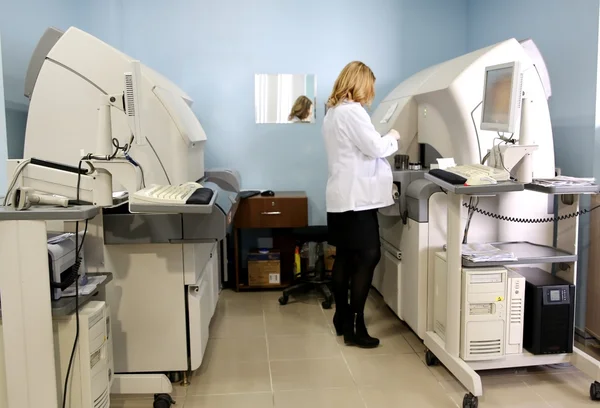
x: 285, y: 98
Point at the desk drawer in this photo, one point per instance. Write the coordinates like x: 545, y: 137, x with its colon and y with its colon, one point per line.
x: 273, y: 212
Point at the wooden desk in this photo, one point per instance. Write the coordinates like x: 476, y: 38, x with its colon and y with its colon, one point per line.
x: 287, y: 209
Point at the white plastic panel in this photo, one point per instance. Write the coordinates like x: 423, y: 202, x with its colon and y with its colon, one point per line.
x: 185, y: 120
x: 413, y: 295
x: 199, y: 320
x: 196, y: 261
x: 391, y: 282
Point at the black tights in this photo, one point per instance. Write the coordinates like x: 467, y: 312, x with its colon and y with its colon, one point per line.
x: 353, y: 269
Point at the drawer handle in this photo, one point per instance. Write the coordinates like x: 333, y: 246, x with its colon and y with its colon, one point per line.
x: 270, y: 213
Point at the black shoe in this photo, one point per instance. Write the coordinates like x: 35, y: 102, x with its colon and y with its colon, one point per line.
x: 338, y: 320
x: 359, y: 336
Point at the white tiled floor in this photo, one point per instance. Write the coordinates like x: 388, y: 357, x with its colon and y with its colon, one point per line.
x: 262, y: 355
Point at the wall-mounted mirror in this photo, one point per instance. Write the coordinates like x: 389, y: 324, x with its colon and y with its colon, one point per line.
x: 285, y: 98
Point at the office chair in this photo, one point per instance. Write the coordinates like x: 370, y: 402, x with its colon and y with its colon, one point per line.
x: 318, y: 279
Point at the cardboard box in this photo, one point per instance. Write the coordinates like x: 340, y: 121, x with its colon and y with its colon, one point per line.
x: 264, y: 268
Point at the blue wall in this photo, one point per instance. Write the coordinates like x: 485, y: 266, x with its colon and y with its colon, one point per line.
x: 567, y: 35
x: 213, y: 51
x: 22, y: 23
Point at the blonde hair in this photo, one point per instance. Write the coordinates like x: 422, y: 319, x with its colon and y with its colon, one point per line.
x: 356, y: 82
x: 301, y: 108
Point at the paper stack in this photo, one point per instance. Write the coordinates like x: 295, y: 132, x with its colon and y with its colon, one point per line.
x: 486, y: 253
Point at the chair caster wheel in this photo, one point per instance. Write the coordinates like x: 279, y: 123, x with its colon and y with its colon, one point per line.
x: 431, y: 359
x: 283, y: 300
x: 595, y: 391
x: 470, y: 401
x: 326, y: 304
x: 163, y: 401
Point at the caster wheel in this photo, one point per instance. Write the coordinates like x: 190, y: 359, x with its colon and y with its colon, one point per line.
x: 326, y: 304
x: 595, y: 391
x: 283, y: 300
x: 470, y: 401
x: 431, y: 359
x: 163, y: 401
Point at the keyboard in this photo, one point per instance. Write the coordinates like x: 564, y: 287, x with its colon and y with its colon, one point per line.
x: 188, y: 193
x: 471, y: 171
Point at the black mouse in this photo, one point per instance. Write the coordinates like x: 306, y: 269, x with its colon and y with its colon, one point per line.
x: 268, y: 193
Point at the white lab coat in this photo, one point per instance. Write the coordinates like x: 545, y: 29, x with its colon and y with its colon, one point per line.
x: 360, y: 178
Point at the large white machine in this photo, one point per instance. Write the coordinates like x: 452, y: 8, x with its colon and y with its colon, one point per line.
x: 438, y: 112
x: 166, y: 260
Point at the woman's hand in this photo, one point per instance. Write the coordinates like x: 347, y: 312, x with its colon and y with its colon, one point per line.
x: 394, y: 133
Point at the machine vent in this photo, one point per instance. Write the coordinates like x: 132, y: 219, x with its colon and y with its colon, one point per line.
x: 129, y: 96
x: 485, y: 347
x: 103, y: 401
x: 516, y: 309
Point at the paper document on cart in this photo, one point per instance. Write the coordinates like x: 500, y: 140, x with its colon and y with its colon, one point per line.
x: 486, y: 253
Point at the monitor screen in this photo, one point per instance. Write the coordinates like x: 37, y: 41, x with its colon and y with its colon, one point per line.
x: 497, y: 99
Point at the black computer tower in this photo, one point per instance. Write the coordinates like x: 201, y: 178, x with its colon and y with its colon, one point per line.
x: 549, y: 313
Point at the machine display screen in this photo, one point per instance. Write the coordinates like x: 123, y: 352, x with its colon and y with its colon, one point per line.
x: 498, y: 87
x: 555, y: 295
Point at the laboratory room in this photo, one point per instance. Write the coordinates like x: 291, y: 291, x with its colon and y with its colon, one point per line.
x: 275, y: 204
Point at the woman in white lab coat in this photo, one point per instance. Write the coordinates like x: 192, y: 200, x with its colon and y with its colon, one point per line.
x: 360, y: 182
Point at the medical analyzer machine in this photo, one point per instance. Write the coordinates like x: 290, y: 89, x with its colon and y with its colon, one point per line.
x: 107, y: 131
x: 477, y: 126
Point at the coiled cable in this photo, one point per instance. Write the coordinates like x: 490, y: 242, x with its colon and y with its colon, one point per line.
x: 473, y: 208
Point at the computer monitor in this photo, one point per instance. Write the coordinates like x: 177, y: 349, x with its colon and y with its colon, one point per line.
x: 502, y: 96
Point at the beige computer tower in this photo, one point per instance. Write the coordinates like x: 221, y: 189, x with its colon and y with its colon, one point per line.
x: 89, y: 383
x: 483, y: 310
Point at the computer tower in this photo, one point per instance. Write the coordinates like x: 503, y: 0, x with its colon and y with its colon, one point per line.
x: 515, y: 301
x: 483, y: 310
x: 549, y: 312
x: 89, y: 383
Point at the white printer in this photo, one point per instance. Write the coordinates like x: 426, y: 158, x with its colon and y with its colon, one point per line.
x: 61, y: 260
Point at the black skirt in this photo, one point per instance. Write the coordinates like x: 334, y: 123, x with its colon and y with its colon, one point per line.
x: 357, y: 230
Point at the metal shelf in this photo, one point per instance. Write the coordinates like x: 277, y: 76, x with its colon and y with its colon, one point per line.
x: 526, y: 254
x: 50, y: 213
x: 66, y: 305
x: 487, y: 189
x: 552, y: 190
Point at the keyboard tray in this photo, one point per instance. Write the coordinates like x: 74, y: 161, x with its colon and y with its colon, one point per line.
x: 138, y: 206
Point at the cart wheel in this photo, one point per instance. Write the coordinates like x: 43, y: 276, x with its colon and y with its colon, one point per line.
x: 163, y: 401
x: 431, y: 359
x: 326, y: 304
x: 595, y: 391
x: 470, y: 401
x: 283, y: 300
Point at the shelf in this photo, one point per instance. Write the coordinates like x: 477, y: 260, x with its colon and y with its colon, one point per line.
x: 66, y: 305
x: 526, y: 254
x: 593, y: 189
x: 525, y: 359
x: 488, y: 189
x: 50, y: 213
